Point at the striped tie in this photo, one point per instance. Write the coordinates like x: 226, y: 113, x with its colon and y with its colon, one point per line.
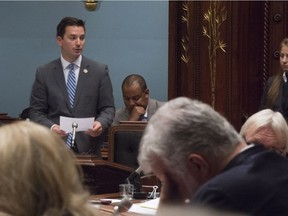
x: 71, y: 88
x: 71, y: 84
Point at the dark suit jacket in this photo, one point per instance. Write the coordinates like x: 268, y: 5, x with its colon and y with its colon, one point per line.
x: 123, y: 114
x: 255, y: 182
x: 278, y: 105
x: 94, y: 98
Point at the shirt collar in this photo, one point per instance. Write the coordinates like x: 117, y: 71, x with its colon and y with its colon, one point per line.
x: 65, y: 63
x: 247, y: 147
x: 284, y: 77
x: 146, y: 113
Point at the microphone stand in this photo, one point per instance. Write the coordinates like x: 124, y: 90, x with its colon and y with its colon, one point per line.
x: 73, y: 146
x: 124, y: 205
x: 134, y: 179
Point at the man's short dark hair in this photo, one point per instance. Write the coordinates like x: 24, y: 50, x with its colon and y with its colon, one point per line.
x: 134, y: 78
x: 68, y: 21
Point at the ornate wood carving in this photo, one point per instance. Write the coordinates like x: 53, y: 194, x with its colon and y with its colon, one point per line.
x: 232, y: 82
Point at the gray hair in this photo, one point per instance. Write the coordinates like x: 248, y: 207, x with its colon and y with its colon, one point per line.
x: 266, y: 118
x: 182, y: 126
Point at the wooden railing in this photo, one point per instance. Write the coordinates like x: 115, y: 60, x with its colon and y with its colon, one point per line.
x: 4, y: 118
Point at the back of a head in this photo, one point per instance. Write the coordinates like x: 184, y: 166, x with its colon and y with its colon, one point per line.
x: 262, y: 120
x: 38, y: 172
x: 182, y: 126
x: 257, y: 120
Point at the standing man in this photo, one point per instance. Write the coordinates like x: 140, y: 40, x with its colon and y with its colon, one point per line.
x: 138, y: 105
x: 92, y: 96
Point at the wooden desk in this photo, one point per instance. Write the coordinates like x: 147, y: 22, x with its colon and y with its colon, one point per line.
x: 106, y: 210
x: 101, y: 176
x: 4, y: 118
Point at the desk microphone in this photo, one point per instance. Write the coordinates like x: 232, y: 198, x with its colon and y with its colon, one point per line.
x: 135, y: 173
x: 134, y: 179
x: 74, y: 127
x: 124, y: 205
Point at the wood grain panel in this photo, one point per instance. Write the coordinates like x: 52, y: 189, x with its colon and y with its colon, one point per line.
x: 251, y: 32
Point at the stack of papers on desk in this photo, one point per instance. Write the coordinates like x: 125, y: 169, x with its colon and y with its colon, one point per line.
x: 146, y: 208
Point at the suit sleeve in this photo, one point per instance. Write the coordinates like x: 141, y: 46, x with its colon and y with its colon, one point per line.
x: 213, y: 198
x: 38, y: 102
x: 106, y: 107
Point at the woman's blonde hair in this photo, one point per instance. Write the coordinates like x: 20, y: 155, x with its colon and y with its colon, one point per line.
x: 38, y: 175
x: 273, y: 92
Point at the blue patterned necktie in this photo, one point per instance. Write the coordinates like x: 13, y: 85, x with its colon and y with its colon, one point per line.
x: 71, y: 84
x: 71, y: 89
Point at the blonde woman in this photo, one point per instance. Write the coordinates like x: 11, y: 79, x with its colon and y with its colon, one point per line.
x: 275, y: 95
x: 268, y: 128
x: 38, y: 174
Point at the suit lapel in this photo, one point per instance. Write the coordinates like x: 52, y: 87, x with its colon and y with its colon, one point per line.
x: 82, y: 79
x: 60, y: 79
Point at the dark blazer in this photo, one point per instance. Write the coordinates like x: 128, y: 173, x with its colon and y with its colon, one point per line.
x: 123, y: 114
x: 94, y: 98
x: 278, y: 105
x: 255, y: 182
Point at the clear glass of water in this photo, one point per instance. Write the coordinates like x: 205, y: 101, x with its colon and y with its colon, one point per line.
x: 126, y: 190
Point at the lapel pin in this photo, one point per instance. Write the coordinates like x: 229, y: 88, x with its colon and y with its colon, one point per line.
x: 85, y: 71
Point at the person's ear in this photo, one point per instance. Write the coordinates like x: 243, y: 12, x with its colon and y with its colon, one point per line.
x: 147, y: 92
x: 199, y: 167
x: 59, y: 40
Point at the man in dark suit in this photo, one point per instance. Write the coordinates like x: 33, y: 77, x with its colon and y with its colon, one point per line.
x: 201, y: 160
x: 93, y: 96
x: 138, y: 105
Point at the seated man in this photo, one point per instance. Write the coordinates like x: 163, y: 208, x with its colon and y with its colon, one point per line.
x: 138, y: 105
x: 268, y: 128
x: 202, y: 160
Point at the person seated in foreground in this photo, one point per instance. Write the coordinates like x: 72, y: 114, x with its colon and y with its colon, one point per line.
x: 38, y: 174
x: 138, y: 105
x: 268, y: 128
x: 201, y: 160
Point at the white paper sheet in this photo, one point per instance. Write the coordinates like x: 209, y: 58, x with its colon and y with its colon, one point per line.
x: 152, y: 204
x: 83, y: 123
x: 146, y: 208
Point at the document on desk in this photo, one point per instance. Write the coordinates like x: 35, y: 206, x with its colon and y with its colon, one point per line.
x: 146, y: 208
x: 83, y: 124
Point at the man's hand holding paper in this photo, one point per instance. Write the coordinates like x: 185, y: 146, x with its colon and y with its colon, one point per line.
x: 84, y: 124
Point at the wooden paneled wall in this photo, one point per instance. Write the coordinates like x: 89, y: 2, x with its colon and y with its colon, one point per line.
x: 222, y: 52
